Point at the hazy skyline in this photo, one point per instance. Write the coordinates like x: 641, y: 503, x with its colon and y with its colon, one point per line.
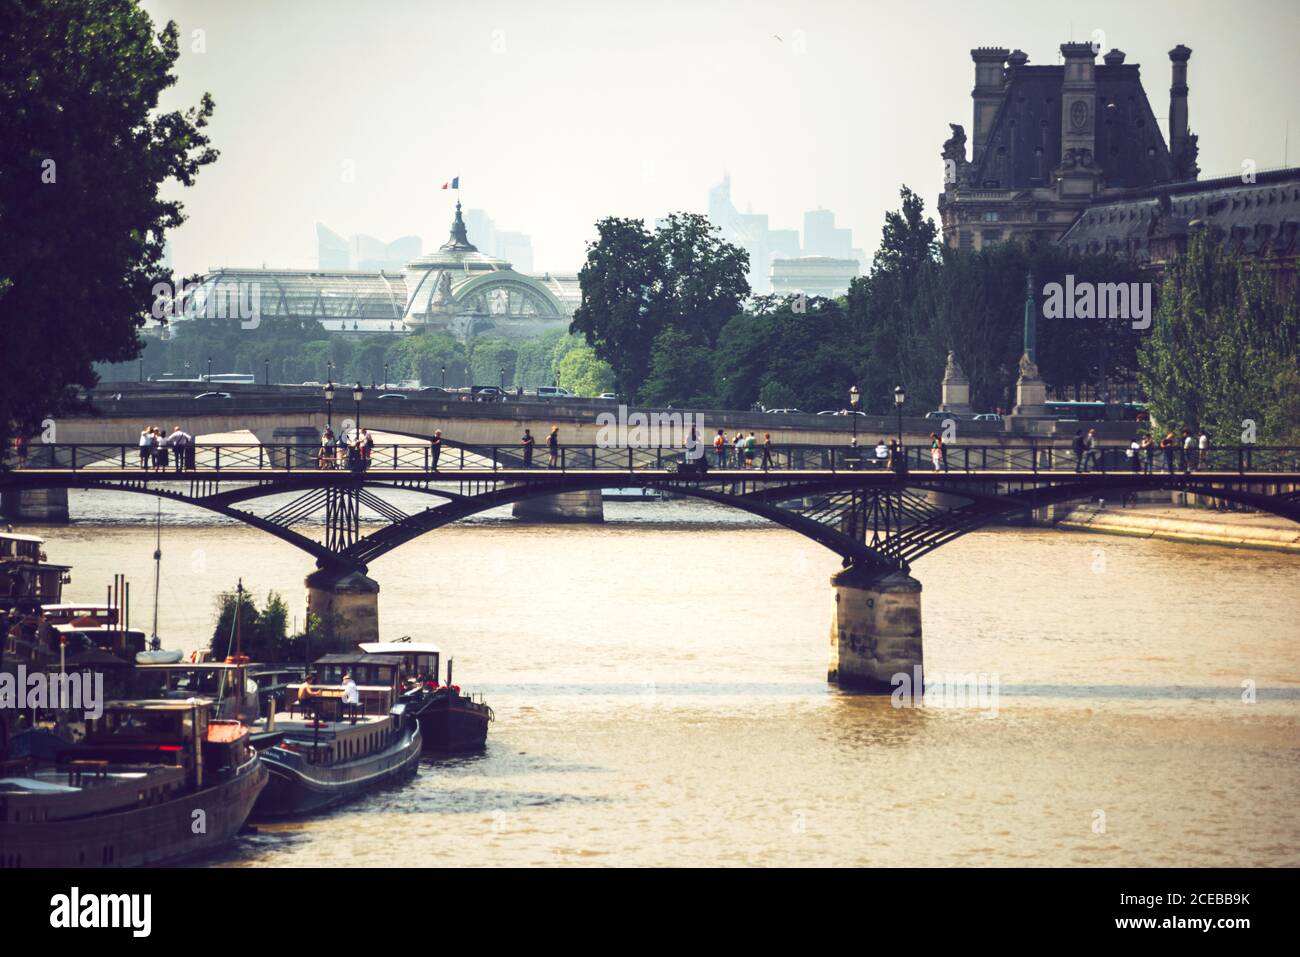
x: 557, y: 114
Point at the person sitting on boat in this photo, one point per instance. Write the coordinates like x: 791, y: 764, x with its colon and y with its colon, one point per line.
x: 306, y: 693
x: 351, y: 697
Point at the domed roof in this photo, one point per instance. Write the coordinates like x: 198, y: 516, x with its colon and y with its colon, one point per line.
x: 457, y: 252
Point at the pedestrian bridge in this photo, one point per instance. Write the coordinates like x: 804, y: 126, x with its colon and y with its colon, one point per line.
x: 843, y: 498
x: 878, y: 519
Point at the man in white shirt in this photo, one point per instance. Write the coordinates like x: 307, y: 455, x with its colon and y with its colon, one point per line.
x: 146, y: 448
x: 1202, y: 450
x: 351, y: 697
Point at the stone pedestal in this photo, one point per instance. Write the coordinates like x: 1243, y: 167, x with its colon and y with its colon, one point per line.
x: 876, y: 632
x: 565, y: 507
x: 36, y: 505
x: 347, y: 605
x: 955, y: 389
x: 1031, y: 390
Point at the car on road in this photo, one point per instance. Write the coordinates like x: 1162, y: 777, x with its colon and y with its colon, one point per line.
x: 486, y: 391
x: 553, y: 392
x: 841, y: 412
x: 987, y: 417
x: 213, y: 395
x: 434, y: 392
x: 785, y: 412
x: 392, y: 395
x: 955, y: 416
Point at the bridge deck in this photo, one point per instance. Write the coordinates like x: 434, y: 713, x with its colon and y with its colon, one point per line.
x: 647, y: 474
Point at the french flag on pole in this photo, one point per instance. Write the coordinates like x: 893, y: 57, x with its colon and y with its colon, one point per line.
x: 454, y: 184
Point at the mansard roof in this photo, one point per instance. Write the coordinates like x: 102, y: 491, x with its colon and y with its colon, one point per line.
x: 1130, y: 148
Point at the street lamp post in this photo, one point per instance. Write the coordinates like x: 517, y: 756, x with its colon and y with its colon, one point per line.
x: 502, y: 377
x: 385, y: 376
x: 444, y: 377
x: 141, y: 370
x: 266, y: 368
x: 329, y: 404
x: 209, y: 368
x: 356, y: 397
x: 854, y: 398
x: 899, y: 398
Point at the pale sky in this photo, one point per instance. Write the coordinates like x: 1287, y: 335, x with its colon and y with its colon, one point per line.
x: 556, y: 113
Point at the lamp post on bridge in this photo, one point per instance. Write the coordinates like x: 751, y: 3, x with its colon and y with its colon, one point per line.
x: 501, y: 375
x: 329, y: 405
x: 356, y: 397
x: 899, y: 398
x: 385, y: 376
x: 854, y: 398
x: 266, y: 368
x: 209, y: 368
x: 444, y: 377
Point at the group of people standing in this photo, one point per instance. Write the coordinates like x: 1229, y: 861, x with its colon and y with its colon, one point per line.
x: 1192, y: 451
x: 155, y: 449
x: 345, y: 451
x: 742, y: 449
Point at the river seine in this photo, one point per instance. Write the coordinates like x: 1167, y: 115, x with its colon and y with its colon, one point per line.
x: 660, y: 694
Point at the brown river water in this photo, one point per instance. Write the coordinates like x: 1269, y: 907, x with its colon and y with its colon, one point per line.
x: 660, y: 694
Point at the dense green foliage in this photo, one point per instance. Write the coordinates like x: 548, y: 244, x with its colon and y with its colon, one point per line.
x: 1223, y: 351
x: 638, y: 285
x: 83, y: 154
x: 263, y: 635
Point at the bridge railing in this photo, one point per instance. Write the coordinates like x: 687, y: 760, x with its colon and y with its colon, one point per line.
x: 421, y: 458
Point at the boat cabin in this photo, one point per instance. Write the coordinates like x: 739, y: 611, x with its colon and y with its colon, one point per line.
x: 79, y: 614
x: 123, y: 643
x: 232, y: 687
x: 27, y: 580
x: 376, y: 676
x: 419, y: 658
x: 175, y: 733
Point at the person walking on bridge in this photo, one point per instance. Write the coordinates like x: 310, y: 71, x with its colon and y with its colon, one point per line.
x: 553, y: 447
x: 1090, y: 461
x: 1148, y: 451
x: 738, y: 449
x: 1080, y: 447
x: 146, y: 447
x: 159, y: 450
x: 767, y: 451
x: 1167, y: 449
x: 720, y: 448
x: 435, y: 448
x: 528, y: 442
x: 1202, y: 451
x: 1189, y: 452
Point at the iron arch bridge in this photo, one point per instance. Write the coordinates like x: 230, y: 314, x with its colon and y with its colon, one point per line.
x: 869, y: 514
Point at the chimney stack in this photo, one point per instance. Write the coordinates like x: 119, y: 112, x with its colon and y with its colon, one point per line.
x: 987, y: 94
x: 1178, y: 130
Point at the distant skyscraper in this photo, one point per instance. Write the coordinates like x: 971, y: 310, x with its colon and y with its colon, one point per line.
x: 360, y: 252
x: 514, y: 248
x: 767, y: 247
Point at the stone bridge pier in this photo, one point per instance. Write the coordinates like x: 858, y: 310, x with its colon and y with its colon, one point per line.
x: 346, y: 604
x: 876, y: 631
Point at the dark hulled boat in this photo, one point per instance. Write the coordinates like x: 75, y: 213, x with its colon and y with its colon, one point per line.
x: 450, y: 722
x: 154, y: 782
x: 327, y: 756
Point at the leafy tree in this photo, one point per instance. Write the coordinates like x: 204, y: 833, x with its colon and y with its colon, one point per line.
x: 263, y: 635
x: 1223, y: 347
x: 636, y: 284
x: 681, y: 371
x: 583, y: 374
x: 82, y: 159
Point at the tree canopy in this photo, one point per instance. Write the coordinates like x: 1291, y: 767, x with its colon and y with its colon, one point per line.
x: 83, y: 156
